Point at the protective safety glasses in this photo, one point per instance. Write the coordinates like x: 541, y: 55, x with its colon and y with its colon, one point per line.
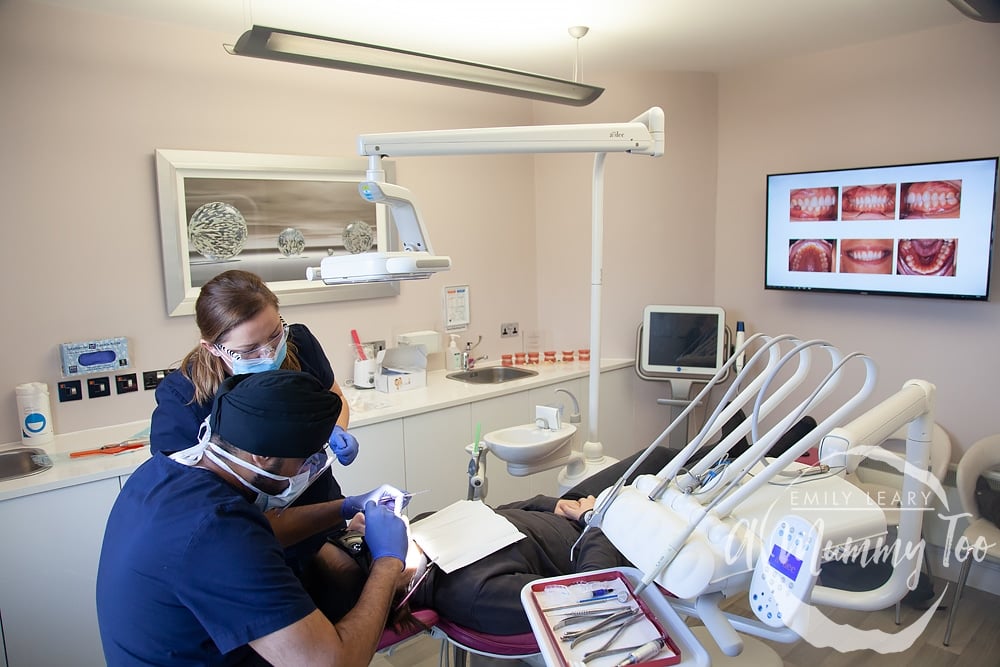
x: 267, y: 350
x: 308, y: 472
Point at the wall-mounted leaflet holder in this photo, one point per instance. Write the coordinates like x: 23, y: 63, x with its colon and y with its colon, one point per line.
x: 457, y: 311
x: 97, y: 356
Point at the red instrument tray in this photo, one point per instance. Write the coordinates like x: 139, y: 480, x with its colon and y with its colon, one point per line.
x: 670, y: 655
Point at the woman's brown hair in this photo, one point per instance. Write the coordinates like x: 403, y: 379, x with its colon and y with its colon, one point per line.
x: 225, y: 302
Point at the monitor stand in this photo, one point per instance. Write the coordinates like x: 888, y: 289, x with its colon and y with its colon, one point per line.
x: 680, y: 398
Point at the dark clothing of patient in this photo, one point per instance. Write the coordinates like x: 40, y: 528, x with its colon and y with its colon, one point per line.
x: 485, y: 596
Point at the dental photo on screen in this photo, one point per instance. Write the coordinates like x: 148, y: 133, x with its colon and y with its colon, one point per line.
x: 912, y: 230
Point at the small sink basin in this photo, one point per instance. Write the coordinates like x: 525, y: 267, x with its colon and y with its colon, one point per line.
x: 492, y: 374
x: 23, y: 461
x: 527, y: 443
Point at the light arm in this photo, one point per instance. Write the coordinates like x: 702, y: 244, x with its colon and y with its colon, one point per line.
x: 643, y: 136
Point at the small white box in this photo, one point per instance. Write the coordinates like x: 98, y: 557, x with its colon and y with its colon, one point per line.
x: 402, y: 368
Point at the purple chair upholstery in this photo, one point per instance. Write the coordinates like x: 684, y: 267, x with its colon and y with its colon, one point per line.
x: 390, y: 637
x: 510, y: 646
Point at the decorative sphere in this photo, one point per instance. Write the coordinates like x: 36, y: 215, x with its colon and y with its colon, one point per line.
x: 358, y: 237
x: 217, y: 231
x: 291, y: 243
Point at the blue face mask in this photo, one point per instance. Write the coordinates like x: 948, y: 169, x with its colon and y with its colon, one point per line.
x: 241, y: 366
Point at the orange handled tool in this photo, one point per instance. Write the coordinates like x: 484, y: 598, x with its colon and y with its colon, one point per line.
x: 116, y: 448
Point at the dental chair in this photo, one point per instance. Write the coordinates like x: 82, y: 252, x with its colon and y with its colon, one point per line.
x: 500, y: 647
x: 391, y: 638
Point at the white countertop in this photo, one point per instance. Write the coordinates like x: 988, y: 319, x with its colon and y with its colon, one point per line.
x: 368, y: 406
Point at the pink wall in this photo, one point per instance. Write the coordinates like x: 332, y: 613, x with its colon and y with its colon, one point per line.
x: 925, y: 97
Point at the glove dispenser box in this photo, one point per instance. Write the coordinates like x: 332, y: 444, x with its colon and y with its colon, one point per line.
x: 402, y: 368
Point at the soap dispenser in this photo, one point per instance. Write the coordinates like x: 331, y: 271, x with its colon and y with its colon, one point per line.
x: 454, y: 358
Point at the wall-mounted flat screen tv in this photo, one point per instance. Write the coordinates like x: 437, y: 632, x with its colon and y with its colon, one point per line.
x: 913, y: 230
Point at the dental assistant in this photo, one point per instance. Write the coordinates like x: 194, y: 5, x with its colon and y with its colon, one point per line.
x: 242, y: 331
x: 190, y: 571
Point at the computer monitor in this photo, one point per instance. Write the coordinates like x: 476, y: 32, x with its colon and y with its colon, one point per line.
x: 681, y: 342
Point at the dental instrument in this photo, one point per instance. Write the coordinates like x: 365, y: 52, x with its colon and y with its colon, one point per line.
x: 643, y: 653
x: 621, y: 597
x: 616, y: 622
x: 636, y: 616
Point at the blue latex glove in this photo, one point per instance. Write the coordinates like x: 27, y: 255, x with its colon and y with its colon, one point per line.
x: 344, y: 445
x: 385, y: 495
x: 385, y: 532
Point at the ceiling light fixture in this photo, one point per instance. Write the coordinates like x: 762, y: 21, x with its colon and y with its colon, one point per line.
x: 306, y: 49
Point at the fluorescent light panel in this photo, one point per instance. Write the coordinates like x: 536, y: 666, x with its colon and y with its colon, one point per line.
x: 305, y: 49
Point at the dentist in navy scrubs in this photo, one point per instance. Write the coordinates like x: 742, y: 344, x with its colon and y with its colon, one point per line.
x: 191, y: 572
x: 242, y: 331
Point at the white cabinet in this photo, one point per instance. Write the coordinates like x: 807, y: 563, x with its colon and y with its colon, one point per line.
x: 379, y: 461
x: 435, y: 457
x: 48, y: 573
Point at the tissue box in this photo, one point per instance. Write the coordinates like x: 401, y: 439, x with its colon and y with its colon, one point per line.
x: 402, y: 368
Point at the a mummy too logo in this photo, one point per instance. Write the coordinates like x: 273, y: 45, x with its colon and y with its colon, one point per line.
x: 824, y: 513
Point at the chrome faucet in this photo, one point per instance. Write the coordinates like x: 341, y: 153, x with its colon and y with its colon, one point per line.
x: 468, y: 360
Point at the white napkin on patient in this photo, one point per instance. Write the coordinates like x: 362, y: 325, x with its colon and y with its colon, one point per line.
x: 462, y: 533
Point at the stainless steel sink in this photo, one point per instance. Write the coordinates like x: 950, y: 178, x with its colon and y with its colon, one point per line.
x: 23, y: 461
x: 492, y: 374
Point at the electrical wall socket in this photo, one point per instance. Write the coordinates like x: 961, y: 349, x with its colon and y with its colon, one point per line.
x: 98, y: 387
x: 376, y: 345
x: 150, y: 379
x: 509, y: 330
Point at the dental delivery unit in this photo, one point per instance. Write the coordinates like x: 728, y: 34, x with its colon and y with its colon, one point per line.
x: 712, y: 527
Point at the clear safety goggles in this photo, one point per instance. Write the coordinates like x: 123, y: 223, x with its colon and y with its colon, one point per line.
x: 308, y: 472
x: 267, y: 350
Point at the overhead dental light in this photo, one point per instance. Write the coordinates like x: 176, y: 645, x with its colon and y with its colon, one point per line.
x: 643, y: 135
x: 306, y: 49
x: 415, y: 261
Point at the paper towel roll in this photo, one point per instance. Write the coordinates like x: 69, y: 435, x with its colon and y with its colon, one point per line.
x: 34, y: 413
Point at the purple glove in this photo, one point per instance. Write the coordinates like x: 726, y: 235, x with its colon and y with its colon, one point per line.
x: 385, y: 533
x: 344, y: 445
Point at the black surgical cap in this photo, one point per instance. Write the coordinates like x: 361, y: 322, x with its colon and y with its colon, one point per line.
x: 281, y: 413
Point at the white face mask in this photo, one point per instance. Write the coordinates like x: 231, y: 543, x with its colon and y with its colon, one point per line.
x: 311, y: 469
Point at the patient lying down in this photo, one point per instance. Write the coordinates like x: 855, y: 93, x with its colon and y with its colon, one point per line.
x: 485, y: 596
